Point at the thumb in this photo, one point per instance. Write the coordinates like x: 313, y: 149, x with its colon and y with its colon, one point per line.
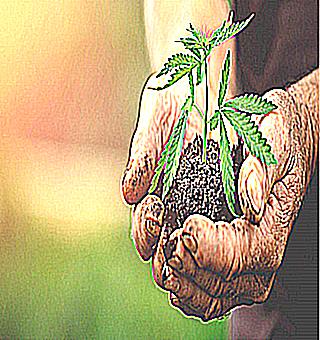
x: 256, y: 178
x: 157, y: 113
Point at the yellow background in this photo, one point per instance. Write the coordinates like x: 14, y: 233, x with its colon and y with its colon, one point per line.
x: 70, y: 77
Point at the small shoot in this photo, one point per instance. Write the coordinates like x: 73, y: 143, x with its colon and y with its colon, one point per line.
x: 237, y: 110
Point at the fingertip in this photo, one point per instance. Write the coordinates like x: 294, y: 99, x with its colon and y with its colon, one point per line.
x: 252, y: 189
x: 159, y: 271
x: 135, y: 182
x: 146, y: 225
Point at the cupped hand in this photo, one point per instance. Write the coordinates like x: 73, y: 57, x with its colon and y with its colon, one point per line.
x: 209, y: 267
x: 158, y: 112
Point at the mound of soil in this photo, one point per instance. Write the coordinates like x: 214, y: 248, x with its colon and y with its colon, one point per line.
x: 197, y: 187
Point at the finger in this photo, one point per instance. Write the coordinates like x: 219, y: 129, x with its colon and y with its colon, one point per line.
x: 230, y: 249
x: 267, y: 244
x: 175, y: 302
x: 255, y: 178
x: 157, y: 114
x: 207, y: 245
x: 192, y: 300
x: 254, y: 287
x: 146, y: 225
x: 160, y: 270
x: 263, y: 245
x: 215, y: 309
x: 187, y: 292
x: 178, y: 252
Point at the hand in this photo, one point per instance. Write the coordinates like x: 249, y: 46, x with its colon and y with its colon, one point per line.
x: 158, y: 112
x: 208, y: 267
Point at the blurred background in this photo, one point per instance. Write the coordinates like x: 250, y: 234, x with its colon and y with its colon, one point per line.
x: 71, y: 73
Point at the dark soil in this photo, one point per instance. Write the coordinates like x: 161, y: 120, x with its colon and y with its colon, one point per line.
x: 197, y: 187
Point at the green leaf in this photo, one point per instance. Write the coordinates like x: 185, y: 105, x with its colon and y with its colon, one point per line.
x: 190, y: 44
x: 224, y: 79
x: 158, y: 169
x: 174, y: 151
x: 251, y: 103
x: 170, y: 155
x: 228, y: 30
x: 226, y: 166
x: 176, y: 61
x: 197, y: 34
x: 214, y: 120
x: 195, y: 43
x: 174, y: 77
x: 196, y: 52
x: 186, y: 105
x: 248, y: 131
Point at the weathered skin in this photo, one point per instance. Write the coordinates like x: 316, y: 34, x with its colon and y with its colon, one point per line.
x: 209, y: 268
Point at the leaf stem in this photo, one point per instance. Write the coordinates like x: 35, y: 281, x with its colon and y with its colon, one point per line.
x: 205, y: 120
x: 199, y: 110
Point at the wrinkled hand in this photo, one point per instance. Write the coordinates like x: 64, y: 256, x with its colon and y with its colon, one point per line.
x: 210, y: 267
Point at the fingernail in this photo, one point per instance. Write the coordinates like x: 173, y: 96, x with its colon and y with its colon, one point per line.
x: 175, y: 263
x: 190, y: 242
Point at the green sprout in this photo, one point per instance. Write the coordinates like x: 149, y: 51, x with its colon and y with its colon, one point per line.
x: 237, y: 110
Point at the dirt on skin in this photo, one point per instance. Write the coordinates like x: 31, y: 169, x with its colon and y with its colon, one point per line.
x: 197, y: 187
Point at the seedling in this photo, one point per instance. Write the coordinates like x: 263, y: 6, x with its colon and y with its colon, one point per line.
x: 237, y: 110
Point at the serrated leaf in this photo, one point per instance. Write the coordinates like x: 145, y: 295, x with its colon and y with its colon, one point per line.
x: 195, y: 43
x: 190, y: 43
x: 175, y: 148
x: 174, y: 77
x: 252, y: 137
x: 170, y: 155
x: 226, y: 167
x: 224, y: 78
x: 193, y: 46
x: 196, y: 52
x: 215, y: 34
x: 251, y: 103
x: 214, y: 120
x: 180, y: 60
x: 186, y: 104
x: 225, y: 31
x: 198, y: 35
x: 158, y: 169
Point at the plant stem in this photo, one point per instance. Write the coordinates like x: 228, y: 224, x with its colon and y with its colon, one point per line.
x: 205, y: 121
x: 199, y: 110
